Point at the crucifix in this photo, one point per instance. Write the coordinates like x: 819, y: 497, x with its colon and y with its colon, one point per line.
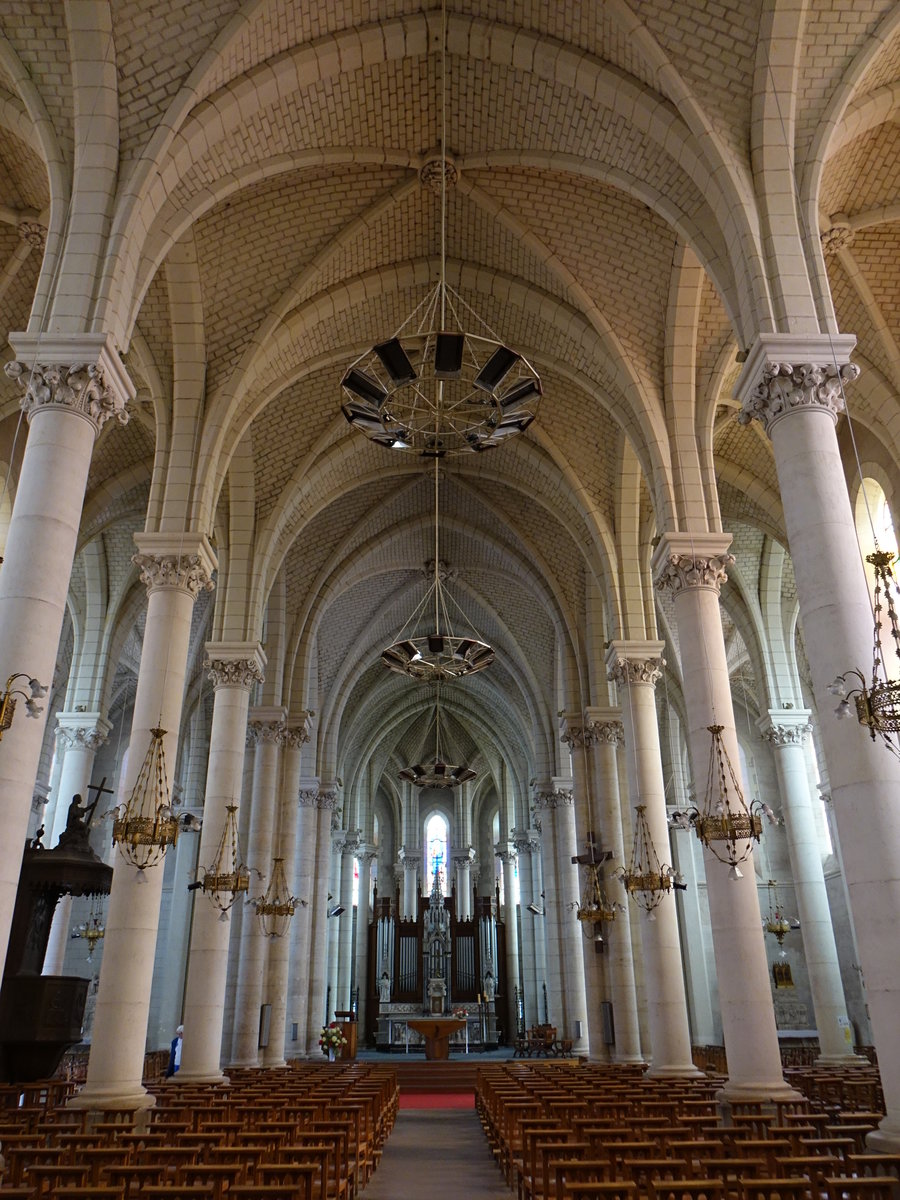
x: 594, y: 855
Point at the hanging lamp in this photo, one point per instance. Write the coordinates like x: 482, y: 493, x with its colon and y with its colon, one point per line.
x: 437, y: 772
x: 444, y: 653
x: 433, y: 387
x: 775, y: 922
x: 726, y: 824
x: 877, y: 702
x: 277, y: 906
x: 146, y: 826
x: 228, y: 876
x: 646, y: 879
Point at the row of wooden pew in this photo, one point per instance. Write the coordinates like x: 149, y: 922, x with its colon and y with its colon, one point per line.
x: 578, y: 1130
x: 308, y: 1132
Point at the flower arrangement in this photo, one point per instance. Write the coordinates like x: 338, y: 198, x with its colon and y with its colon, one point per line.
x: 460, y: 1013
x: 331, y: 1039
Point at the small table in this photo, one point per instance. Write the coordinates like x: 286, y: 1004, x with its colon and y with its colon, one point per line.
x: 437, y: 1032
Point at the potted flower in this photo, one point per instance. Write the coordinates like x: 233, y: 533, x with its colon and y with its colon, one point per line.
x: 460, y: 1014
x: 331, y: 1039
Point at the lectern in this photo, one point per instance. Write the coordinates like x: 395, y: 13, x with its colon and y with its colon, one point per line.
x: 349, y: 1028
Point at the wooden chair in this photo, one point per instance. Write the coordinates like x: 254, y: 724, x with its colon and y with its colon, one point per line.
x: 687, y: 1189
x: 778, y: 1189
x: 301, y: 1177
x: 872, y: 1187
x: 178, y: 1191
x: 93, y: 1191
x: 267, y: 1191
x: 611, y: 1190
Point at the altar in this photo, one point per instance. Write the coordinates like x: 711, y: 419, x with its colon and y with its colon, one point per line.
x: 436, y: 1032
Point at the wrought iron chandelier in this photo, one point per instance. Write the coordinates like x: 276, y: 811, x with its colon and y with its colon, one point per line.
x: 433, y: 388
x: 36, y: 691
x: 726, y: 824
x: 228, y: 877
x: 277, y: 906
x: 92, y: 930
x: 775, y: 922
x: 877, y: 703
x: 437, y: 772
x: 146, y: 826
x: 442, y: 654
x: 646, y: 879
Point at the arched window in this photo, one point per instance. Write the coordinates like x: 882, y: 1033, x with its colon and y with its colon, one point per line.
x: 437, y: 846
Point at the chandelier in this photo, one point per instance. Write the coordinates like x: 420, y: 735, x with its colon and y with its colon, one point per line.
x: 277, y: 906
x: 437, y: 772
x: 92, y: 930
x: 775, y: 921
x: 442, y: 654
x: 726, y: 824
x: 878, y: 703
x: 432, y: 387
x: 593, y: 909
x: 36, y: 691
x: 646, y: 879
x: 228, y: 876
x: 146, y: 826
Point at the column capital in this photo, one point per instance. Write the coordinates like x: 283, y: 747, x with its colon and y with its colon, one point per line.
x: 575, y: 730
x: 691, y: 560
x: 327, y: 798
x: 787, y: 373
x: 547, y: 801
x: 266, y: 725
x: 606, y: 723
x: 785, y: 727
x: 81, y: 374
x: 169, y: 561
x: 507, y: 852
x: 463, y: 856
x: 234, y: 664
x: 308, y: 793
x: 86, y: 730
x: 296, y: 732
x: 350, y: 842
x: 409, y: 859
x: 633, y: 662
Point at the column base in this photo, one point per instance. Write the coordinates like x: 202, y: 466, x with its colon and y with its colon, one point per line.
x: 762, y: 1093
x: 885, y: 1139
x: 243, y: 1064
x: 842, y: 1060
x: 183, y: 1076
x: 628, y: 1058
x: 109, y: 1099
x: 688, y: 1071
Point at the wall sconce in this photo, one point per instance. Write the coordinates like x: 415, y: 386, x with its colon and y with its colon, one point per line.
x: 36, y: 691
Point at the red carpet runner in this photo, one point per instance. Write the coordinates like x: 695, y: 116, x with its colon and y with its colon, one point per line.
x: 437, y: 1100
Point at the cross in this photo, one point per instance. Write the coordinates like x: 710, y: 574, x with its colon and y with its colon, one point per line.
x: 100, y: 790
x: 594, y: 855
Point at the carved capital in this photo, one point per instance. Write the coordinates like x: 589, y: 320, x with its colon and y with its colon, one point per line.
x: 308, y: 797
x: 79, y: 388
x: 578, y: 736
x: 267, y: 733
x: 548, y: 801
x: 628, y: 671
x: 790, y: 373
x: 351, y: 842
x: 786, y: 735
x: 184, y: 571
x: 327, y: 799
x: 680, y: 571
x: 233, y: 672
x: 82, y: 738
x: 608, y: 733
x: 296, y: 733
x: 524, y: 841
x: 463, y: 857
x: 508, y: 855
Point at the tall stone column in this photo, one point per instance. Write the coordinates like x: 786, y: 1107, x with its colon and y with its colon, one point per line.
x: 295, y: 736
x: 174, y: 571
x: 692, y: 567
x: 794, y: 386
x: 463, y: 858
x: 786, y: 732
x: 412, y: 862
x: 307, y: 831
x: 524, y: 842
x: 267, y: 728
x: 365, y: 856
x: 566, y: 994
x: 635, y: 666
x: 80, y: 736
x: 233, y: 669
x: 72, y: 386
x: 349, y: 847
x: 579, y: 737
x: 327, y: 802
x: 607, y: 736
x: 509, y: 858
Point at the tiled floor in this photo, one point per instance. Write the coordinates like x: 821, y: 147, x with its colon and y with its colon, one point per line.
x: 439, y: 1154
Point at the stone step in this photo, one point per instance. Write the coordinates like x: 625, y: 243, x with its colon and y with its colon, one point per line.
x: 435, y: 1076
